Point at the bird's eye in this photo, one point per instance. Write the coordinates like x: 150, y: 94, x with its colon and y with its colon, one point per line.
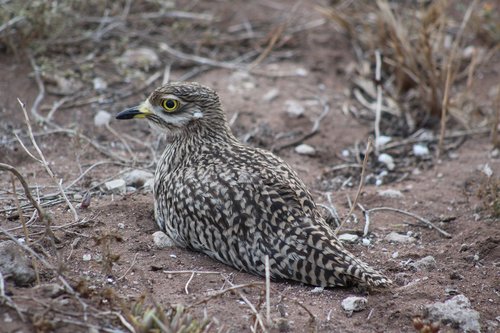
x: 170, y: 104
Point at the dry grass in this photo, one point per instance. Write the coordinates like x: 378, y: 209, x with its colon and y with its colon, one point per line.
x: 422, y: 43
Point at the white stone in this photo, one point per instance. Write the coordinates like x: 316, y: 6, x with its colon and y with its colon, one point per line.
x: 420, y: 150
x: 366, y: 241
x: 354, y: 304
x: 121, y: 225
x: 390, y: 193
x: 102, y: 118
x: 117, y: 186
x: 294, y: 109
x: 99, y: 83
x: 395, y: 255
x: 350, y: 238
x: 398, y: 238
x: 317, y: 290
x: 305, y: 149
x: 87, y: 257
x: 387, y: 160
x: 271, y: 94
x: 161, y: 240
x: 137, y: 178
x: 487, y: 170
x: 456, y: 311
x: 382, y: 140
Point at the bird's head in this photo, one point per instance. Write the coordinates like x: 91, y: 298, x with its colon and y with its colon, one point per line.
x: 179, y: 106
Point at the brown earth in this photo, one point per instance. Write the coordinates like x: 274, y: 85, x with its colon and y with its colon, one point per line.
x: 117, y: 230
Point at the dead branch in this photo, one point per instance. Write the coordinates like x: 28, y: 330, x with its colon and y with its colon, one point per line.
x: 360, y: 186
x: 27, y: 192
x: 421, y: 219
x: 44, y: 161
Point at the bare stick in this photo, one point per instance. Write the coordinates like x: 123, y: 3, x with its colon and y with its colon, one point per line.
x: 421, y: 219
x: 258, y: 317
x: 496, y: 120
x: 188, y: 282
x: 360, y: 186
x: 229, y: 289
x: 378, y: 108
x: 26, y: 188
x: 44, y: 161
x: 191, y: 272
x: 268, y: 292
x: 128, y: 269
x: 25, y: 230
x: 444, y: 110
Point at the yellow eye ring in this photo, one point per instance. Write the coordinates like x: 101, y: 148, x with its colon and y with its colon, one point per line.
x: 170, y: 104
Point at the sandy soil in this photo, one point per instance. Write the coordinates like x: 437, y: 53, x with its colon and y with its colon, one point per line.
x: 117, y: 229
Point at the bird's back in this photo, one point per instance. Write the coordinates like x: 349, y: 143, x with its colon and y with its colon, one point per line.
x: 238, y: 204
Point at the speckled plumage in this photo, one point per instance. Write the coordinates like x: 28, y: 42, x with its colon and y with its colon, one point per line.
x: 237, y: 203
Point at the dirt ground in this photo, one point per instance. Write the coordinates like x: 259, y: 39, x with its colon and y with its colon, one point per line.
x: 116, y: 230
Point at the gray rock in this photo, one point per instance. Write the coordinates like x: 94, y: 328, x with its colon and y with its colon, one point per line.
x: 304, y: 149
x: 15, y: 264
x: 117, y: 186
x: 425, y: 264
x: 350, y: 238
x: 161, y: 240
x: 456, y: 312
x: 354, y: 304
x: 137, y: 178
x: 398, y: 238
x: 149, y: 185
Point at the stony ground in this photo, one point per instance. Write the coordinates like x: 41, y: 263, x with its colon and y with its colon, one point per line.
x: 109, y: 257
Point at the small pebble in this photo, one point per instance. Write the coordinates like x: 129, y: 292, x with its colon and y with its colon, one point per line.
x: 87, y: 257
x: 350, y: 238
x: 382, y: 140
x: 137, y: 178
x: 317, y: 290
x: 271, y: 95
x: 99, y: 84
x: 387, y: 160
x: 173, y: 256
x: 354, y: 304
x: 398, y: 238
x: 395, y: 255
x: 161, y: 240
x: 366, y: 241
x: 102, y: 118
x: 390, y: 193
x: 294, y: 109
x: 305, y: 149
x: 121, y: 225
x: 425, y: 264
x: 420, y: 150
x: 117, y: 186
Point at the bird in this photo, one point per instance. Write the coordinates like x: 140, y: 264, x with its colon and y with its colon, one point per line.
x: 236, y: 203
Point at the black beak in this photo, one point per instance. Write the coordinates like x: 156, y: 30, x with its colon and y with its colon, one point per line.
x: 130, y: 113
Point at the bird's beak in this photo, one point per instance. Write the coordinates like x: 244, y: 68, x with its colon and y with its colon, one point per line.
x: 136, y: 112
